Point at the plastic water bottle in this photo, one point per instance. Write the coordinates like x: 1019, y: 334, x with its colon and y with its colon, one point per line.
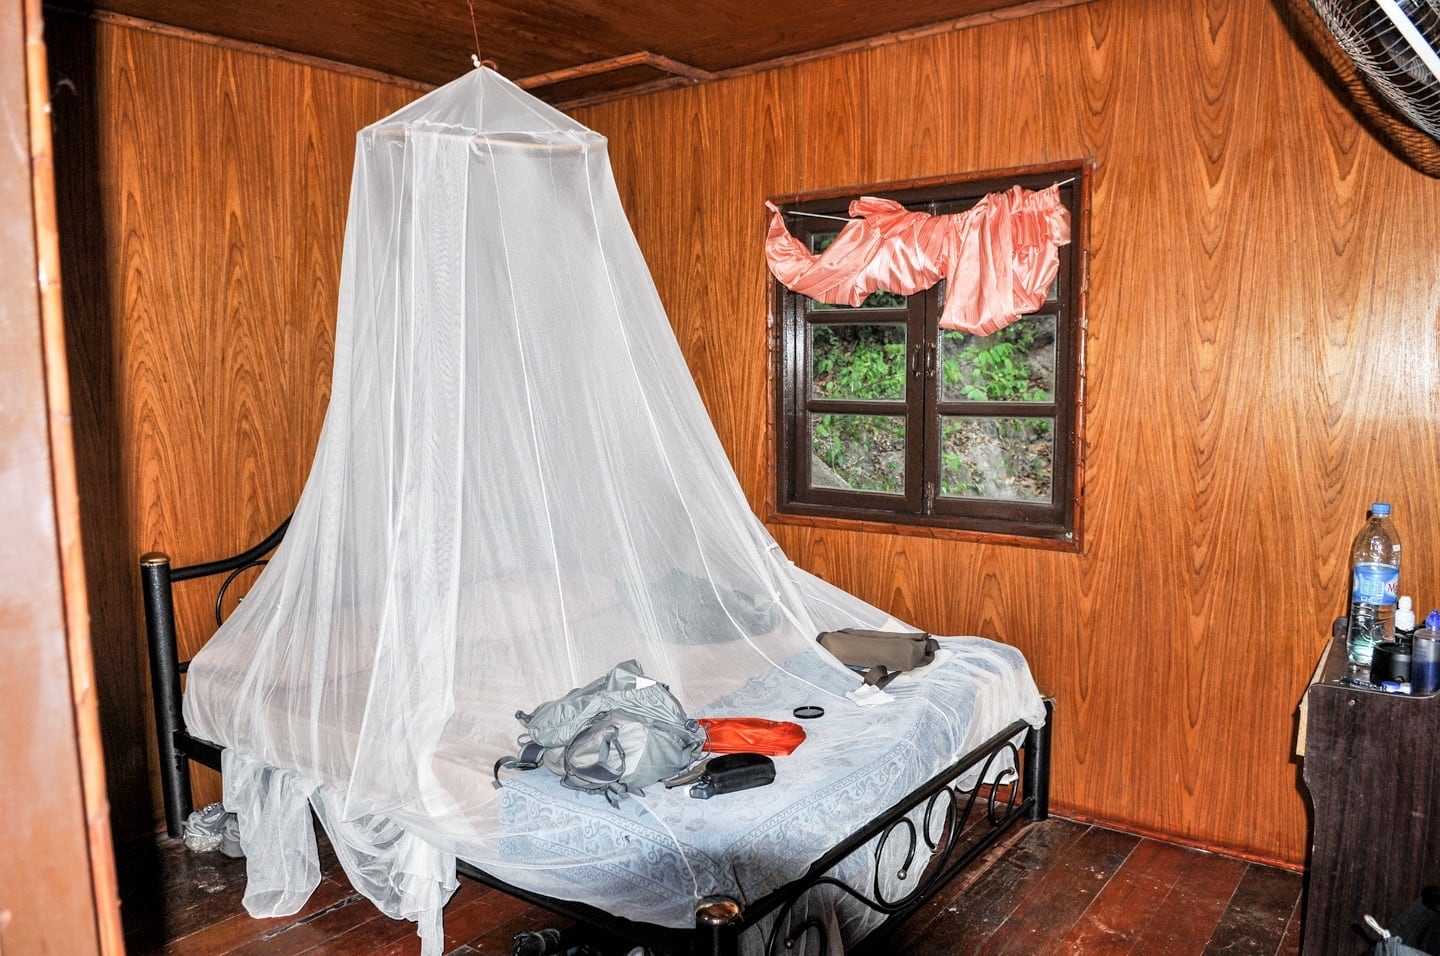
x: 1425, y: 660
x: 1374, y: 586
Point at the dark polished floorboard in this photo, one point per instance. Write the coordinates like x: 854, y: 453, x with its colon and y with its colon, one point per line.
x: 1051, y: 887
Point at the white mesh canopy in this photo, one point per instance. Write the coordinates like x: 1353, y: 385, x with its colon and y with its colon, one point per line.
x: 516, y: 487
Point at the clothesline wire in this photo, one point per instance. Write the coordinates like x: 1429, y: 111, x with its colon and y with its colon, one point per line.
x: 823, y: 215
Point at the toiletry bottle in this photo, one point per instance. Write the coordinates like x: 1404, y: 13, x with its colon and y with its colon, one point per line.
x: 1404, y: 622
x: 1425, y: 659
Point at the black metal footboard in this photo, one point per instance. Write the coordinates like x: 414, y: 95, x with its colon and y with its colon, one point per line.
x: 939, y: 827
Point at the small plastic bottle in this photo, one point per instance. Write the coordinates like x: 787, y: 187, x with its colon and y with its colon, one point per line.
x: 1404, y: 622
x: 1374, y: 584
x: 1425, y: 659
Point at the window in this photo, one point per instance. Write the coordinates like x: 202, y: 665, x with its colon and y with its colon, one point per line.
x: 884, y: 417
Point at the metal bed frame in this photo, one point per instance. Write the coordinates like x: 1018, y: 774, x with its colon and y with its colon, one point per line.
x: 972, y: 820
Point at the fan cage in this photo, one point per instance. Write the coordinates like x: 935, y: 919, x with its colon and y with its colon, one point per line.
x: 1396, y: 50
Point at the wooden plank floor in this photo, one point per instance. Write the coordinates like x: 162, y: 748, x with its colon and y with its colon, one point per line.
x: 1051, y: 887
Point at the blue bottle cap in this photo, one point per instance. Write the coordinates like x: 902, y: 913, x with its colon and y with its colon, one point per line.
x: 1380, y: 509
x: 1432, y: 620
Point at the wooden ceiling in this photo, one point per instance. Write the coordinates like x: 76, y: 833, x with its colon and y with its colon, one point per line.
x: 565, y: 51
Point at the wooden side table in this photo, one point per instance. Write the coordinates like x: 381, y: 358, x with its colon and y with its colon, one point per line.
x: 1372, y: 769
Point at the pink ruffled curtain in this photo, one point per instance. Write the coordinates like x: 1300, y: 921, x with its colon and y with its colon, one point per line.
x: 999, y: 256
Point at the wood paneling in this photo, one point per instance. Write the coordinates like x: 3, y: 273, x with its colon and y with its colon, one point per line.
x: 433, y: 42
x: 1262, y: 323
x: 203, y: 198
x: 1262, y: 351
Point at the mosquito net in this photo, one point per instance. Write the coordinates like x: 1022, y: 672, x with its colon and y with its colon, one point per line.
x: 516, y: 487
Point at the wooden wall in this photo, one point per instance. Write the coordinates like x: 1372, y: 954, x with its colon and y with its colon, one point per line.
x: 202, y: 197
x: 1262, y: 363
x: 1262, y: 352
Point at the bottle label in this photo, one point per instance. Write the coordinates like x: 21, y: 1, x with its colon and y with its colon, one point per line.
x: 1375, y: 584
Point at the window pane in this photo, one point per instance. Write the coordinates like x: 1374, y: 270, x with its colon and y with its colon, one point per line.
x: 1009, y: 459
x: 858, y: 452
x: 819, y: 242
x: 857, y: 362
x: 1015, y: 364
x: 875, y: 300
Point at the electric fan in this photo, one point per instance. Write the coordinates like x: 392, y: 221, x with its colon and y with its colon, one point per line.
x: 1394, y: 44
x: 1386, y: 56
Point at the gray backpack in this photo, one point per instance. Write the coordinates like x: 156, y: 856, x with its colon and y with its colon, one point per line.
x: 615, y: 735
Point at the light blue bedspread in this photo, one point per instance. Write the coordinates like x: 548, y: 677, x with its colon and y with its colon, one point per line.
x: 656, y: 855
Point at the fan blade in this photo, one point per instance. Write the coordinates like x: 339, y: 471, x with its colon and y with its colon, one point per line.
x: 1407, y: 29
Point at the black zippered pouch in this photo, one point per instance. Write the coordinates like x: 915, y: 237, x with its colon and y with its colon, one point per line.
x: 728, y: 773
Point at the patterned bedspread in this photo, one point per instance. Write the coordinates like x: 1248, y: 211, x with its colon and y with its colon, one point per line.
x: 655, y: 856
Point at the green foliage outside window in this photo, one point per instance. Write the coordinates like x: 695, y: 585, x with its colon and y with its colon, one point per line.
x: 861, y: 362
x: 984, y: 457
x: 998, y: 367
x: 1006, y: 458
x: 861, y: 452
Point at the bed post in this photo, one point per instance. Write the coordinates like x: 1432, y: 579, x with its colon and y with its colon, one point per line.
x: 1037, y: 764
x: 717, y: 927
x: 165, y: 688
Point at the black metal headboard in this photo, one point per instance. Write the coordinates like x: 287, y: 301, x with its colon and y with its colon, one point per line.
x: 177, y: 747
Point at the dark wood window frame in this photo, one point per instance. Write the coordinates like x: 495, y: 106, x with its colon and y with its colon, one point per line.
x: 1055, y: 524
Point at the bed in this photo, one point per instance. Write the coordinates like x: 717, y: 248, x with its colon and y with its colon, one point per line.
x: 516, y: 487
x: 753, y: 872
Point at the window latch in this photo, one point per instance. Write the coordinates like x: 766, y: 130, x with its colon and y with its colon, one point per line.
x: 922, y: 360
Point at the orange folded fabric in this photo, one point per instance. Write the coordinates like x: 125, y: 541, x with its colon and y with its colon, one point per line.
x: 999, y: 256
x: 734, y: 735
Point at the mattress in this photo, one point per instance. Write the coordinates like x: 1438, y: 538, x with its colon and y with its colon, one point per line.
x: 653, y: 857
